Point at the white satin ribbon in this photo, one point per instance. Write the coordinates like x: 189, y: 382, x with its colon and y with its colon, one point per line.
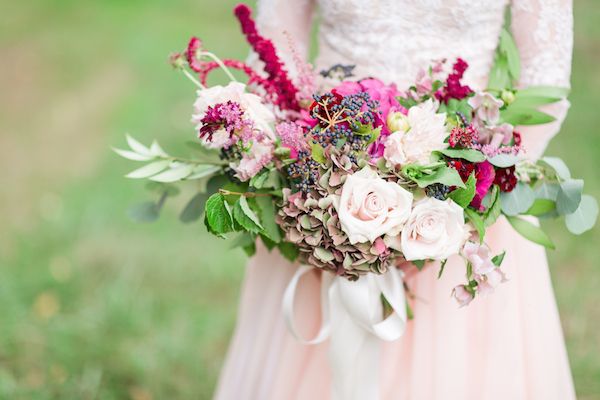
x: 352, y: 320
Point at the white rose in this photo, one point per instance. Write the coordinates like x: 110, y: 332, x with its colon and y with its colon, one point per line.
x: 252, y: 105
x: 370, y: 206
x: 426, y: 133
x: 435, y: 230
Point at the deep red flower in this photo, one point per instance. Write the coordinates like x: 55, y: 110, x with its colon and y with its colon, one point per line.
x: 285, y: 90
x: 454, y: 89
x: 191, y: 54
x: 517, y: 138
x: 506, y: 179
x: 464, y: 168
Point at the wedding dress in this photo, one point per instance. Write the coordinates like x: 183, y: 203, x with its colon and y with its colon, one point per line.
x: 508, y: 345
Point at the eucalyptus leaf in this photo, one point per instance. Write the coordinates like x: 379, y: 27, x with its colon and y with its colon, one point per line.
x: 558, y: 165
x: 503, y: 160
x: 517, y: 201
x: 530, y: 231
x: 547, y: 191
x: 584, y: 218
x: 569, y: 196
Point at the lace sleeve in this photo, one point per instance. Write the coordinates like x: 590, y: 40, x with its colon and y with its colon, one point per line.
x: 543, y: 30
x: 276, y: 19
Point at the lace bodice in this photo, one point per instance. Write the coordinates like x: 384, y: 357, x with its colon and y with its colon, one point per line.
x: 392, y: 39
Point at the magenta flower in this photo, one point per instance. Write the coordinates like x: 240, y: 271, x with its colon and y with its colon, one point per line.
x: 484, y: 174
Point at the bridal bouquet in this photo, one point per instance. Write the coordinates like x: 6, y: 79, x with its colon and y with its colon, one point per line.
x: 356, y: 177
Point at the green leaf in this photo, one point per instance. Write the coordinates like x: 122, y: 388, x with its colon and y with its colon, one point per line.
x: 503, y: 160
x: 517, y: 201
x: 463, y: 197
x: 424, y: 177
x: 194, y: 208
x: 525, y: 102
x: 530, y: 231
x: 477, y: 222
x: 499, y: 77
x: 245, y: 216
x: 259, y: 179
x: 508, y: 46
x: 541, y: 207
x: 419, y: 264
x: 569, y: 196
x: 144, y: 212
x: 217, y: 215
x: 544, y: 91
x: 242, y: 240
x: 148, y: 170
x: 318, y: 153
x: 268, y: 212
x: 288, y: 250
x: 494, y: 208
x: 525, y: 116
x: 466, y: 154
x: 442, y: 266
x: 176, y: 173
x: 584, y: 218
x: 497, y: 260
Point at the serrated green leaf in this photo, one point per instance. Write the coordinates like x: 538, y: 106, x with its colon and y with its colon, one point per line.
x: 517, y: 201
x: 217, y: 215
x: 530, y: 231
x: 584, y: 218
x: 463, y: 197
x: 245, y: 216
x: 148, y: 170
x: 266, y: 207
x: 288, y: 250
x: 569, y: 196
x: 465, y: 154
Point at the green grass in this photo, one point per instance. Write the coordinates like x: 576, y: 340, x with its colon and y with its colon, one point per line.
x: 94, y: 306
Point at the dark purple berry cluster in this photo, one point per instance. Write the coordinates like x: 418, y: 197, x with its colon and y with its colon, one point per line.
x: 304, y: 173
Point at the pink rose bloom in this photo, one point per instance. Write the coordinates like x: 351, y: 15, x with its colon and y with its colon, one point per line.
x: 484, y: 174
x: 462, y: 295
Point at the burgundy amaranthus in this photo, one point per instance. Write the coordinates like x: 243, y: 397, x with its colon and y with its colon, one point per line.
x: 285, y: 89
x: 228, y: 116
x: 454, y: 89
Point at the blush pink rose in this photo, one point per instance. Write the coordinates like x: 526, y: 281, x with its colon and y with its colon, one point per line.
x: 370, y: 207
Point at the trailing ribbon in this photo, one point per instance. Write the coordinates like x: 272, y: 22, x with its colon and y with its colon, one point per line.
x: 352, y: 319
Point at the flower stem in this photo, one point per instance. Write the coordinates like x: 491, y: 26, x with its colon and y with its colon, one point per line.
x: 220, y: 63
x: 193, y: 79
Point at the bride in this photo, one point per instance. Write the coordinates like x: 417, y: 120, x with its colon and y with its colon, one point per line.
x: 505, y: 346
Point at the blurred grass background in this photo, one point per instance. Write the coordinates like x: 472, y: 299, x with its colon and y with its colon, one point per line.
x: 94, y: 306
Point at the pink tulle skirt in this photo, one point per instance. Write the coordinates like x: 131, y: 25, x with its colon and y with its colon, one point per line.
x: 508, y: 345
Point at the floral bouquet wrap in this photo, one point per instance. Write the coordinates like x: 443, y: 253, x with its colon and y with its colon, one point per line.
x: 363, y: 180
